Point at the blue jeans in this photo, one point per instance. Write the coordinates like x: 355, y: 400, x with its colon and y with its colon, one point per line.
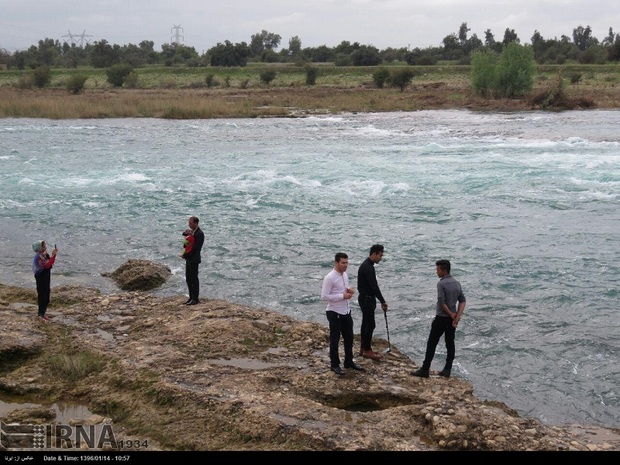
x: 340, y: 324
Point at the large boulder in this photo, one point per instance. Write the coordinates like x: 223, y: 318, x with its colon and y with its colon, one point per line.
x: 140, y: 275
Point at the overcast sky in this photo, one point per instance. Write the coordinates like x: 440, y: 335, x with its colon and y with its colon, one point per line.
x: 202, y: 24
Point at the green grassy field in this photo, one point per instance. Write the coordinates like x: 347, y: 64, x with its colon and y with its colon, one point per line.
x: 291, y: 75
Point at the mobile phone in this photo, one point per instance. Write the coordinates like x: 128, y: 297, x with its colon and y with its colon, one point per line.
x: 55, y: 246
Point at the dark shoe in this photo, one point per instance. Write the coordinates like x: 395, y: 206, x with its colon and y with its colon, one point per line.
x: 371, y: 355
x: 187, y: 301
x: 420, y: 373
x: 192, y: 302
x: 444, y: 373
x: 355, y: 366
x: 338, y: 371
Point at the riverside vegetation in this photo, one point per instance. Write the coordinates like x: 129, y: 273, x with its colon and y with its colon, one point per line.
x: 215, y: 92
x: 228, y: 377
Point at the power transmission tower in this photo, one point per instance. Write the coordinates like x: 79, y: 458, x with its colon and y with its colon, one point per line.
x: 74, y: 37
x: 82, y: 37
x: 177, y: 36
x: 70, y: 36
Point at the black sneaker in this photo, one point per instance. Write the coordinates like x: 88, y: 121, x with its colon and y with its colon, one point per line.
x: 444, y: 373
x: 420, y: 373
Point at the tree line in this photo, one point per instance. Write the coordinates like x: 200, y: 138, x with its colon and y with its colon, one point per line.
x: 581, y: 47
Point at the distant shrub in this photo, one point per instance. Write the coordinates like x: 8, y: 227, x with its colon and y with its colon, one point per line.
x: 515, y: 70
x: 244, y: 83
x: 380, y: 77
x: 267, y: 75
x: 75, y: 83
x: 210, y: 80
x: 132, y: 80
x: 118, y: 73
x: 575, y: 78
x: 311, y: 74
x: 42, y: 76
x: 426, y: 59
x: 484, y: 71
x: 343, y: 60
x: 402, y: 78
x: 509, y: 75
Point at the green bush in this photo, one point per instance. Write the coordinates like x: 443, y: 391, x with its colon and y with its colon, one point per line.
x: 380, y: 77
x: 42, y: 76
x: 210, y: 80
x: 75, y: 83
x: 267, y: 75
x: 118, y: 73
x: 515, y: 70
x: 509, y: 75
x: 311, y: 74
x: 402, y: 78
x: 484, y: 72
x: 575, y: 78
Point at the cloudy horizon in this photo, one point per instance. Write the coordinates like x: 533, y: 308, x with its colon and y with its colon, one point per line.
x: 380, y: 23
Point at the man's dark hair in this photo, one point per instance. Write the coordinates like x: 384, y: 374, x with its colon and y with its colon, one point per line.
x: 340, y: 256
x: 443, y: 264
x: 195, y: 219
x: 376, y: 249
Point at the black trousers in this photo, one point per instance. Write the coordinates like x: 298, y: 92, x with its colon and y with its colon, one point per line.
x: 441, y: 325
x: 340, y: 324
x: 368, y: 305
x: 191, y: 278
x: 43, y: 280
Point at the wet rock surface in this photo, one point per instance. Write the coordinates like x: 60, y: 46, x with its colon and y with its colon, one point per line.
x: 222, y: 376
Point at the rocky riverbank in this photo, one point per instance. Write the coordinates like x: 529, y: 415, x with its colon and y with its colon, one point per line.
x: 221, y: 376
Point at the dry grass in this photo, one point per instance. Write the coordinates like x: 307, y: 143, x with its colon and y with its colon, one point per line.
x: 185, y: 96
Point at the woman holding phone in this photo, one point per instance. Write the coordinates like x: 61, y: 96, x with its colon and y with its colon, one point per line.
x: 41, y: 267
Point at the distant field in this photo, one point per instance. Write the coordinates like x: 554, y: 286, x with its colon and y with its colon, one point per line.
x: 291, y: 75
x: 182, y: 93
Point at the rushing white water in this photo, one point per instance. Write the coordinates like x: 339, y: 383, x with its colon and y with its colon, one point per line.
x: 525, y: 205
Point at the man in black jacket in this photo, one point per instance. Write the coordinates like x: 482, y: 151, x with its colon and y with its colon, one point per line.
x: 368, y: 294
x: 192, y: 260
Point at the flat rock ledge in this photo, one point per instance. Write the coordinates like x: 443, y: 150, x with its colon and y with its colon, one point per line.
x: 222, y: 376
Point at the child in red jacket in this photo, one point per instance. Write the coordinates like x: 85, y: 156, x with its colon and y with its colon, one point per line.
x: 188, y: 242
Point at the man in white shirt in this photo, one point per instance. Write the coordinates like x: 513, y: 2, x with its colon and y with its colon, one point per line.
x: 337, y: 293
